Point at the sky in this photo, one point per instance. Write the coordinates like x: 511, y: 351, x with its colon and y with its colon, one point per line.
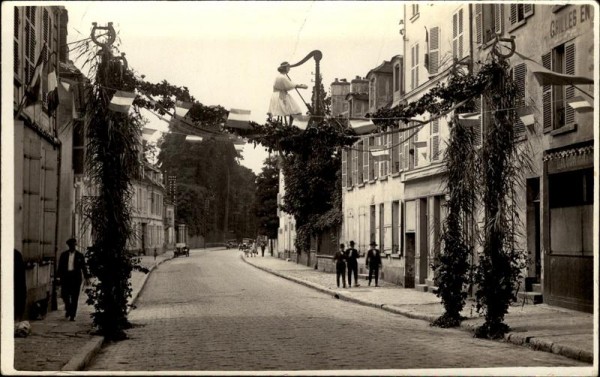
x: 227, y: 52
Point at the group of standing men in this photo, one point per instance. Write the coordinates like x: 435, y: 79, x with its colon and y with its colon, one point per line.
x: 348, y: 259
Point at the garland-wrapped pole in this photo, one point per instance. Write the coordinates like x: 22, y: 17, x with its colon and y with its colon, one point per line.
x: 452, y: 265
x: 500, y: 263
x: 112, y: 162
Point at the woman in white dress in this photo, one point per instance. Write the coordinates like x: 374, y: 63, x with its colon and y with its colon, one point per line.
x: 282, y: 104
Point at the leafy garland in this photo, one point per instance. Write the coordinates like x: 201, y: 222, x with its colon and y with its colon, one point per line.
x: 452, y: 265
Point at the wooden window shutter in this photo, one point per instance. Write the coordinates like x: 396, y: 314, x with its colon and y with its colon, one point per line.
x: 460, y: 34
x: 417, y: 65
x: 547, y: 94
x: 478, y: 23
x: 434, y: 49
x: 354, y: 166
x: 365, y: 160
x: 513, y: 14
x: 16, y: 41
x: 344, y: 162
x: 406, y: 151
x: 376, y: 161
x: 401, y: 147
x: 527, y: 10
x: 478, y: 130
x: 569, y: 90
x: 434, y: 143
x: 498, y: 17
x: 519, y: 74
x: 395, y: 152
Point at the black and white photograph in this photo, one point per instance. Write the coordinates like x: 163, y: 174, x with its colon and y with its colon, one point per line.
x: 374, y: 188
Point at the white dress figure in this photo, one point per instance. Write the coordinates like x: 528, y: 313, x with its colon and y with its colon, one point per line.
x: 282, y: 104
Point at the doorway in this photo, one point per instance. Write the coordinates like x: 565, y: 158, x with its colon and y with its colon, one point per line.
x: 409, y: 270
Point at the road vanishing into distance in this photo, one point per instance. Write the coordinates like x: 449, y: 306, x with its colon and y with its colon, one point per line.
x: 211, y: 311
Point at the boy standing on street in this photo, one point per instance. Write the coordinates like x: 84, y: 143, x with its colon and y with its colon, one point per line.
x: 340, y: 265
x: 373, y: 262
x: 352, y: 261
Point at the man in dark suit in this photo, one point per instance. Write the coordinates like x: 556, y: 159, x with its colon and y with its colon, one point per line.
x: 373, y: 262
x: 352, y: 262
x: 340, y: 265
x: 71, y: 267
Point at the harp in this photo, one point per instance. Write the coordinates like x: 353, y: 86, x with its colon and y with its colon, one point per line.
x: 317, y: 55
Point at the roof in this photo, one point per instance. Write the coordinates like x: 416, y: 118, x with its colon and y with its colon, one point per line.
x: 359, y: 96
x: 385, y: 67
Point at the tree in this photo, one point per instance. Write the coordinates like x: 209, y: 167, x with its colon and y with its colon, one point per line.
x: 208, y: 173
x: 267, y: 188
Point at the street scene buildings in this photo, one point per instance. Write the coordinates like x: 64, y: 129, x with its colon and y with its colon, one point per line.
x: 347, y: 168
x: 398, y: 200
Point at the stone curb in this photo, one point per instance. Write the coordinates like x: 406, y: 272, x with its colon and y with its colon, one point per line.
x: 526, y: 341
x: 83, y: 358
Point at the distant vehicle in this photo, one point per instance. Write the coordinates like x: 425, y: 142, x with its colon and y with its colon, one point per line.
x: 181, y: 249
x: 230, y: 244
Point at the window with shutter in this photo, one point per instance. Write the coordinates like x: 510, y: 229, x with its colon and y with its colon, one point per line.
x: 457, y: 34
x: 434, y: 140
x: 366, y: 158
x: 349, y: 167
x: 354, y: 166
x: 371, y: 159
x: 30, y: 42
x: 17, y: 55
x: 359, y: 163
x: 547, y: 94
x: 478, y: 130
x: 344, y: 162
x: 401, y: 147
x: 434, y: 50
x: 519, y: 73
x: 498, y: 17
x: 520, y: 12
x: 478, y: 23
x: 569, y: 90
x: 376, y: 161
x: 395, y: 151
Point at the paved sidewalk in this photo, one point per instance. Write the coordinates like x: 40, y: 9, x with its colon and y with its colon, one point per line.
x: 55, y: 343
x: 551, y: 329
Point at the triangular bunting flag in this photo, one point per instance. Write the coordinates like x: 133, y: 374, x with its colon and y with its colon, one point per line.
x: 148, y: 131
x: 301, y: 121
x: 362, y: 126
x: 239, y: 148
x: 238, y: 119
x: 193, y: 138
x: 526, y: 115
x: 420, y: 144
x: 53, y: 99
x: 379, y: 152
x: 121, y: 101
x: 469, y: 119
x: 545, y: 76
x: 580, y: 104
x: 182, y: 108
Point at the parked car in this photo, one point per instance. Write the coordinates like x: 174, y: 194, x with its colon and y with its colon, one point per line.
x: 231, y: 244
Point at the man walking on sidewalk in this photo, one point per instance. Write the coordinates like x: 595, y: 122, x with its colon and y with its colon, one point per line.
x: 352, y: 261
x: 373, y: 263
x: 340, y: 265
x: 71, y: 267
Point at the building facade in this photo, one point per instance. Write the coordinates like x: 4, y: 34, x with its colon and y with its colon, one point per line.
x: 286, y: 234
x: 42, y: 135
x: 148, y: 213
x: 557, y: 198
x: 397, y: 198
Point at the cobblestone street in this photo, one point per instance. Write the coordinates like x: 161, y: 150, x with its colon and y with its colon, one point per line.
x: 212, y: 311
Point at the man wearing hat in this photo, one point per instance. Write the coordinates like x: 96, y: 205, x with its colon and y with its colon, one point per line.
x: 373, y: 262
x: 71, y: 267
x: 352, y: 262
x: 282, y: 104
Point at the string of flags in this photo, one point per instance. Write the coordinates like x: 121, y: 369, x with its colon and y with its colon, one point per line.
x: 121, y: 101
x: 238, y: 118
